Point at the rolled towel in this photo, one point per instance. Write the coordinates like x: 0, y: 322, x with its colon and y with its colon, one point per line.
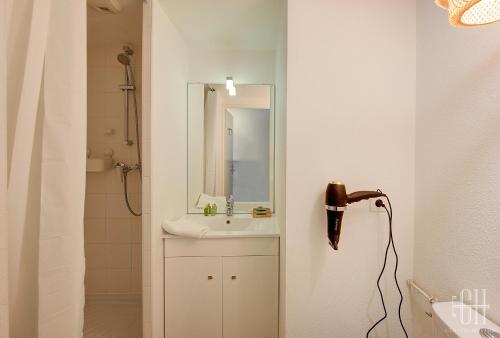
x: 205, y: 199
x: 185, y: 228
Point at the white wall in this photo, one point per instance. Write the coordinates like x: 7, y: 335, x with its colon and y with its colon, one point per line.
x: 280, y: 151
x: 112, y: 233
x: 457, y: 238
x: 168, y: 144
x: 351, y: 117
x: 246, y: 67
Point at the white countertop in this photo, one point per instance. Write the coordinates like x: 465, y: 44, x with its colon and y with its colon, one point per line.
x: 236, y: 226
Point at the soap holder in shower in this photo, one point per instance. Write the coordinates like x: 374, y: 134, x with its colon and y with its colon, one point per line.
x: 99, y: 164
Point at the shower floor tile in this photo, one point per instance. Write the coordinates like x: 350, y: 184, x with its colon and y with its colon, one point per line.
x: 113, y: 320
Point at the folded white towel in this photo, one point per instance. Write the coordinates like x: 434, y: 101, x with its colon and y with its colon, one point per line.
x: 185, y: 228
x: 205, y: 199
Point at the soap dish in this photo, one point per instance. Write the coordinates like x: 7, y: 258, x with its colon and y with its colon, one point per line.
x: 261, y: 212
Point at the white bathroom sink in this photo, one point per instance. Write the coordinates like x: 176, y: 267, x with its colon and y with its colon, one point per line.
x: 227, y: 223
x: 239, y: 225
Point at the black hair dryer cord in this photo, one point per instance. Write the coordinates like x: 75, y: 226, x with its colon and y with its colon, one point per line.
x: 379, y: 203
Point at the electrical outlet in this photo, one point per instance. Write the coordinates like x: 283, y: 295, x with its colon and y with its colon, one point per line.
x: 373, y: 207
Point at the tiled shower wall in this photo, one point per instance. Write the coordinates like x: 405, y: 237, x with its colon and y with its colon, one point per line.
x: 112, y: 234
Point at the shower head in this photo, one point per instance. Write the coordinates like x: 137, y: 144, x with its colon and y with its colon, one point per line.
x: 124, y: 59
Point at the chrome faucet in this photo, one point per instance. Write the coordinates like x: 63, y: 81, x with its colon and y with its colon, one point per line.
x: 229, y: 205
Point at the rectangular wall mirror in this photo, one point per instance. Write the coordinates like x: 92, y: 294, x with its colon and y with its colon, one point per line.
x: 230, y: 147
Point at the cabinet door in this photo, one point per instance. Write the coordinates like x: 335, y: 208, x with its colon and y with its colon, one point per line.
x: 193, y: 297
x: 250, y: 305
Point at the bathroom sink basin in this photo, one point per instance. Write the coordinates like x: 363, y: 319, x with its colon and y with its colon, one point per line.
x: 221, y: 223
x: 240, y: 225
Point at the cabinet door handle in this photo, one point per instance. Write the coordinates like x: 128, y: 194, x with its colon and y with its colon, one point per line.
x: 210, y: 277
x: 233, y: 277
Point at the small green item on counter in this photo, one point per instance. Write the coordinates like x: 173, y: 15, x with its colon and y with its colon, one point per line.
x: 208, y: 210
x: 214, y: 209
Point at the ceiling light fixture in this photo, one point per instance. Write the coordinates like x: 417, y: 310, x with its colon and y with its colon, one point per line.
x: 468, y: 13
x: 230, y: 86
x: 229, y: 82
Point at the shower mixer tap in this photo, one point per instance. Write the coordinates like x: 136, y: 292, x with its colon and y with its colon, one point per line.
x: 125, y: 168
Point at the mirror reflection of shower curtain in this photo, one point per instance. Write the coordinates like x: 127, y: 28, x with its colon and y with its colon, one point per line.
x: 214, y: 168
x: 228, y: 153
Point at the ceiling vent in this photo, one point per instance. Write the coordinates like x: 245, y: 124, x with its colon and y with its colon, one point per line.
x: 105, y: 6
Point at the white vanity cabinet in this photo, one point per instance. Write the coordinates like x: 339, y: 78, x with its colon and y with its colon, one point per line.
x: 193, y: 297
x: 230, y: 295
x: 250, y: 297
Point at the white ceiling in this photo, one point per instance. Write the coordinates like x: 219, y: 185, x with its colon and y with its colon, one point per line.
x: 226, y: 24
x: 124, y: 27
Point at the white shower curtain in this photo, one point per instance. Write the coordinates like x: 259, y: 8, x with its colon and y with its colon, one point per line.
x: 214, y: 168
x: 45, y: 155
x: 4, y: 288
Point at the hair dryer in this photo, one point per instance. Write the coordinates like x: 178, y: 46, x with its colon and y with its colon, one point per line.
x: 336, y: 200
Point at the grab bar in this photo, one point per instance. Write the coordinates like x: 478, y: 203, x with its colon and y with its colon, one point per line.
x: 431, y: 299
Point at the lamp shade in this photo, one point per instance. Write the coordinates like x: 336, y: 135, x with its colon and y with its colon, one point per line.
x: 467, y: 13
